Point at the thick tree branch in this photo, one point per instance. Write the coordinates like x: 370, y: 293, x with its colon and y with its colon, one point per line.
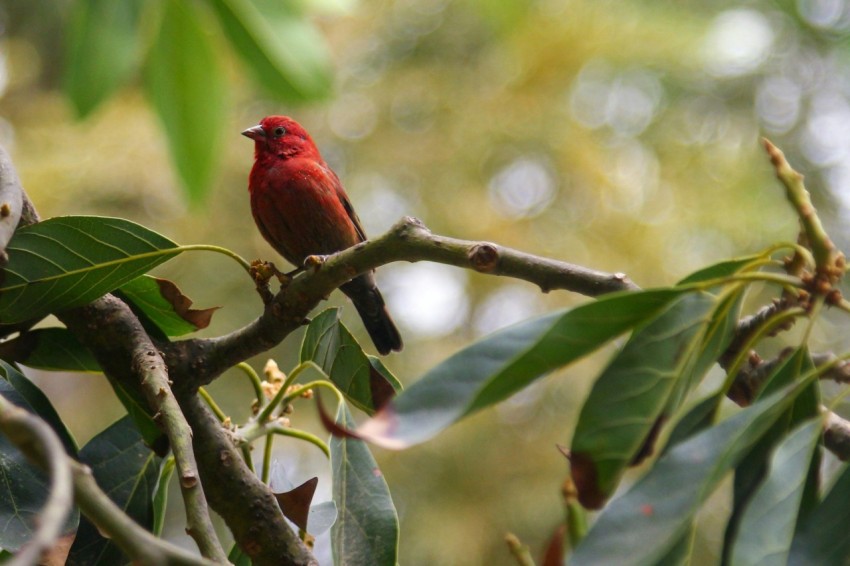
x: 72, y: 481
x: 137, y: 543
x: 126, y: 353
x: 122, y: 347
x: 408, y: 240
x: 11, y: 202
x: 253, y: 513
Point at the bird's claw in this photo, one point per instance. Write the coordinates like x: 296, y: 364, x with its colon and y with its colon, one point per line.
x: 262, y: 272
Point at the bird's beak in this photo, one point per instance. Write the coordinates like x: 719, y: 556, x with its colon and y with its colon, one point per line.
x: 255, y: 133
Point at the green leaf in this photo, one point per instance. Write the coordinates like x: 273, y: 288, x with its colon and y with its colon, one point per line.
x: 697, y: 418
x: 57, y: 349
x: 128, y: 473
x: 717, y: 338
x: 162, y: 303
x: 628, y: 399
x: 366, y: 530
x: 103, y: 50
x: 53, y: 349
x: 286, y: 53
x: 505, y: 362
x: 331, y: 346
x: 725, y: 268
x: 681, y: 552
x: 186, y: 86
x: 160, y: 494
x: 642, y: 525
x: 237, y: 557
x: 70, y: 261
x: 753, y: 468
x: 137, y: 410
x: 25, y: 487
x: 767, y: 525
x: 821, y: 536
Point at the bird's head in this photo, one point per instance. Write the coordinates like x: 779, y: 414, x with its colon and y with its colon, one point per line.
x: 281, y: 136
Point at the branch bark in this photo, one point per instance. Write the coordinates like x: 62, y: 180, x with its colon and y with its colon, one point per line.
x: 409, y: 240
x: 41, y: 446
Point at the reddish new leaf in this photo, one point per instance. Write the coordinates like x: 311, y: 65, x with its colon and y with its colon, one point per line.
x: 295, y: 503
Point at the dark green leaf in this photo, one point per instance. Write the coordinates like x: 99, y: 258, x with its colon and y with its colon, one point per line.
x: 186, y: 86
x: 54, y: 349
x: 285, y: 53
x: 505, y: 362
x: 103, y: 49
x: 331, y: 346
x: 366, y: 530
x: 165, y: 306
x: 160, y: 495
x: 127, y: 472
x: 628, y: 399
x: 753, y: 468
x: 698, y: 418
x: 237, y: 557
x: 137, y: 409
x: 642, y: 525
x: 767, y: 525
x: 821, y: 536
x: 69, y: 261
x: 717, y: 338
x: 681, y: 554
x: 25, y: 487
x: 24, y: 393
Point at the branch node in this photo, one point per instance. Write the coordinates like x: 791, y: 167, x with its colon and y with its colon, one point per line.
x: 484, y: 257
x: 405, y: 227
x: 188, y: 480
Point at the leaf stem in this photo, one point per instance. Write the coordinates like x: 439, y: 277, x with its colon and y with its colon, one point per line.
x: 311, y: 385
x: 256, y: 382
x: 281, y: 398
x: 212, y: 404
x: 267, y: 458
x: 744, y: 352
x: 302, y: 435
x: 218, y: 249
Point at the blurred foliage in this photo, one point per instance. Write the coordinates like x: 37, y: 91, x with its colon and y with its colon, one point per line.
x: 621, y: 136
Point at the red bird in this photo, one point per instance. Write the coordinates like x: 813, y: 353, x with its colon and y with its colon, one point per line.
x: 301, y: 209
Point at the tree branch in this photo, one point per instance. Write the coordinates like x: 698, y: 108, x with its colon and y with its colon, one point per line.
x: 125, y: 351
x: 137, y: 543
x: 122, y: 347
x: 11, y: 202
x: 254, y: 516
x: 40, y: 445
x: 409, y: 240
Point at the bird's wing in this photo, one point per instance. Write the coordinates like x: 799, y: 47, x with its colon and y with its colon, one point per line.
x: 346, y: 204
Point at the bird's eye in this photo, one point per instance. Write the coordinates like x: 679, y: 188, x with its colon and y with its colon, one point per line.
x: 279, y: 131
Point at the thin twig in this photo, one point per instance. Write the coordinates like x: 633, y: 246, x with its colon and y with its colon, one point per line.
x: 42, y: 446
x: 140, y: 545
x: 149, y: 365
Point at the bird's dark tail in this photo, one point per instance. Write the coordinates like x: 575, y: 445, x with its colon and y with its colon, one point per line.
x: 370, y: 306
